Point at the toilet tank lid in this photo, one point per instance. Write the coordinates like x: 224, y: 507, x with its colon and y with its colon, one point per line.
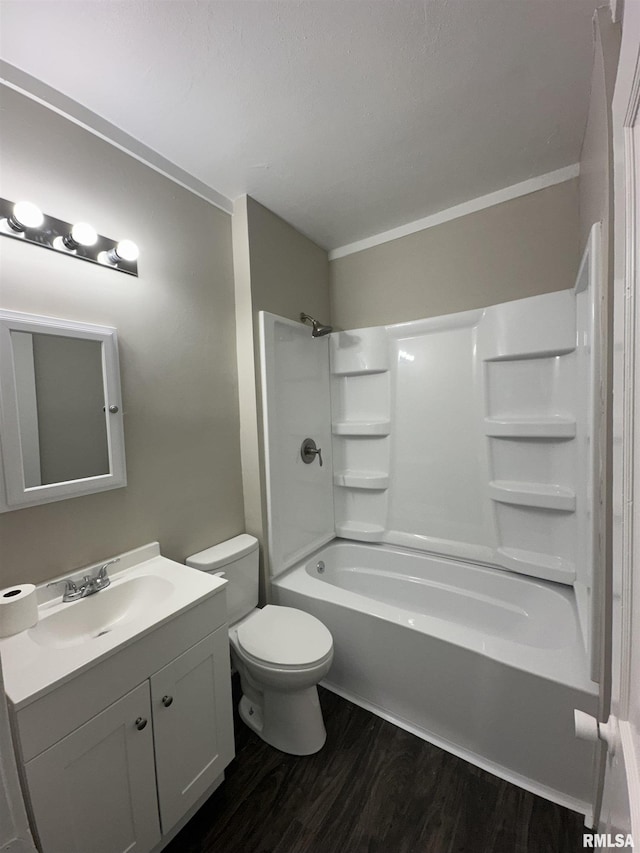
x: 224, y: 553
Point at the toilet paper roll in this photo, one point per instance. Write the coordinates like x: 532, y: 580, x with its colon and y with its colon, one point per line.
x: 18, y: 609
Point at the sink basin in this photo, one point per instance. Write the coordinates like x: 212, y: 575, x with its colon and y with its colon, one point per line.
x: 96, y: 615
x: 147, y: 592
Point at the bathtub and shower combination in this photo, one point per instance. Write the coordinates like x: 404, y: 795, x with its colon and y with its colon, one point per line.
x: 461, y: 656
x: 450, y: 540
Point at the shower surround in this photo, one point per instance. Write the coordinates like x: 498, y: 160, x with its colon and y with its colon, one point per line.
x: 461, y: 452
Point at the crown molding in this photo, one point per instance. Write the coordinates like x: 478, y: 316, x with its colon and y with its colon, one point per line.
x: 507, y: 194
x: 26, y: 84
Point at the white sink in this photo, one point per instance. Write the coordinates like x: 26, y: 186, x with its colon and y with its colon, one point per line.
x: 146, y: 591
x: 98, y: 614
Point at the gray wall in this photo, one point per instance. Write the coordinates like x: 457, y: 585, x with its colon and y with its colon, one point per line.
x: 289, y: 273
x: 519, y: 248
x: 177, y: 346
x: 277, y: 270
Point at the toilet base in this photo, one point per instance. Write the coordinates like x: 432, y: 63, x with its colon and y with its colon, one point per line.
x: 291, y: 722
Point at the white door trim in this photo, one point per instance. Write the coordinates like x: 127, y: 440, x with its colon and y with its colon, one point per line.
x: 622, y: 777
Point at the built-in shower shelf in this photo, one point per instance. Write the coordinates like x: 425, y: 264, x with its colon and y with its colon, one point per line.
x: 530, y: 427
x: 359, y: 352
x: 545, y: 566
x: 361, y: 427
x: 538, y: 495
x: 361, y: 479
x: 532, y: 353
x: 359, y: 371
x: 360, y: 531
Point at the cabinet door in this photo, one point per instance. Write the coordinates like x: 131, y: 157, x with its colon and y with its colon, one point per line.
x: 193, y: 724
x: 95, y: 789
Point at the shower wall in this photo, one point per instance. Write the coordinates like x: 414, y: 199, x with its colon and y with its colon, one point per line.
x: 473, y: 435
x: 470, y: 435
x: 296, y: 405
x: 455, y: 435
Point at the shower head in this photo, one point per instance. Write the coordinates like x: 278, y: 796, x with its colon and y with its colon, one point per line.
x: 318, y: 329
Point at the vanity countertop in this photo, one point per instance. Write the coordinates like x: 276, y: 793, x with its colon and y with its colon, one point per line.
x: 146, y: 591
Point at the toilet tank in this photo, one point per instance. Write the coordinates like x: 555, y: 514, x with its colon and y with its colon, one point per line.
x: 237, y: 560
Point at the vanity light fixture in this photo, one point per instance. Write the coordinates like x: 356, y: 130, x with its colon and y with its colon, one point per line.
x: 23, y: 220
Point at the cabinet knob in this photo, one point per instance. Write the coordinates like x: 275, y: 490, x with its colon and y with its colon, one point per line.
x: 167, y: 700
x: 141, y: 722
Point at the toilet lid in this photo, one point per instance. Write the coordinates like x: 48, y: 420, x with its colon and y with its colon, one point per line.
x: 285, y: 636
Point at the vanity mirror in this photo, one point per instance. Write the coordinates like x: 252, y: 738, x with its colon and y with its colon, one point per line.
x: 61, y: 433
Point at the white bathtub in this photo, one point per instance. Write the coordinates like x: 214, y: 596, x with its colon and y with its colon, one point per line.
x: 483, y: 663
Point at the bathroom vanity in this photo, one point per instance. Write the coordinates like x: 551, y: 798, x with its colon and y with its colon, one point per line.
x: 121, y: 707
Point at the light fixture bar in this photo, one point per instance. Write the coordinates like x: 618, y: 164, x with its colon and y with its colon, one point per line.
x: 77, y: 240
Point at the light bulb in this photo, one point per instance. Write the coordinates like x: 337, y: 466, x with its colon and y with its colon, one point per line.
x: 25, y: 215
x: 125, y: 250
x: 84, y: 234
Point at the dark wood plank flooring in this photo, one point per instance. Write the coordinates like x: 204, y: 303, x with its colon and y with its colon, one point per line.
x: 374, y: 788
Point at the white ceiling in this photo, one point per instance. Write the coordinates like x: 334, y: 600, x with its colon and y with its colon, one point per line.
x: 345, y: 117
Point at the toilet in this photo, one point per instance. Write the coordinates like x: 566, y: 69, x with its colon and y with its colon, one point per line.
x: 281, y: 653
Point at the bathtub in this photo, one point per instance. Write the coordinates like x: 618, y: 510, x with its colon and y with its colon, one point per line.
x: 486, y: 664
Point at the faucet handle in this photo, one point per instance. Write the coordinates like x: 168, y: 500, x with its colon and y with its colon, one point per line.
x: 71, y: 591
x: 101, y: 579
x: 102, y: 572
x: 69, y: 585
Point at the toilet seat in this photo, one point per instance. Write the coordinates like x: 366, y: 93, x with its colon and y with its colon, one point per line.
x: 283, y: 669
x: 284, y: 637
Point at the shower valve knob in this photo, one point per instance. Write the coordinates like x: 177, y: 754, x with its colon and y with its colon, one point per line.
x: 309, y: 451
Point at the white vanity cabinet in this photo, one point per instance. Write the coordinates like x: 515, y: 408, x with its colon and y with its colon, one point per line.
x: 192, y: 727
x: 113, y: 776
x: 95, y: 789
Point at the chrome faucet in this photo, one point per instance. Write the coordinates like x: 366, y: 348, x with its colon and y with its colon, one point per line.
x: 71, y: 591
x: 101, y: 580
x: 89, y: 585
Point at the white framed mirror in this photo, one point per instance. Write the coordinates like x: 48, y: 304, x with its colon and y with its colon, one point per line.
x: 61, y: 429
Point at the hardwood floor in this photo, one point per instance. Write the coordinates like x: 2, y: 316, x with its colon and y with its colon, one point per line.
x: 374, y: 788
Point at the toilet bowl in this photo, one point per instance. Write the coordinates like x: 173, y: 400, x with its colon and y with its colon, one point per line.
x: 280, y: 653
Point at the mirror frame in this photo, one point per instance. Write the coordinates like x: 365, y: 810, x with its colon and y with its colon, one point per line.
x: 14, y: 494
